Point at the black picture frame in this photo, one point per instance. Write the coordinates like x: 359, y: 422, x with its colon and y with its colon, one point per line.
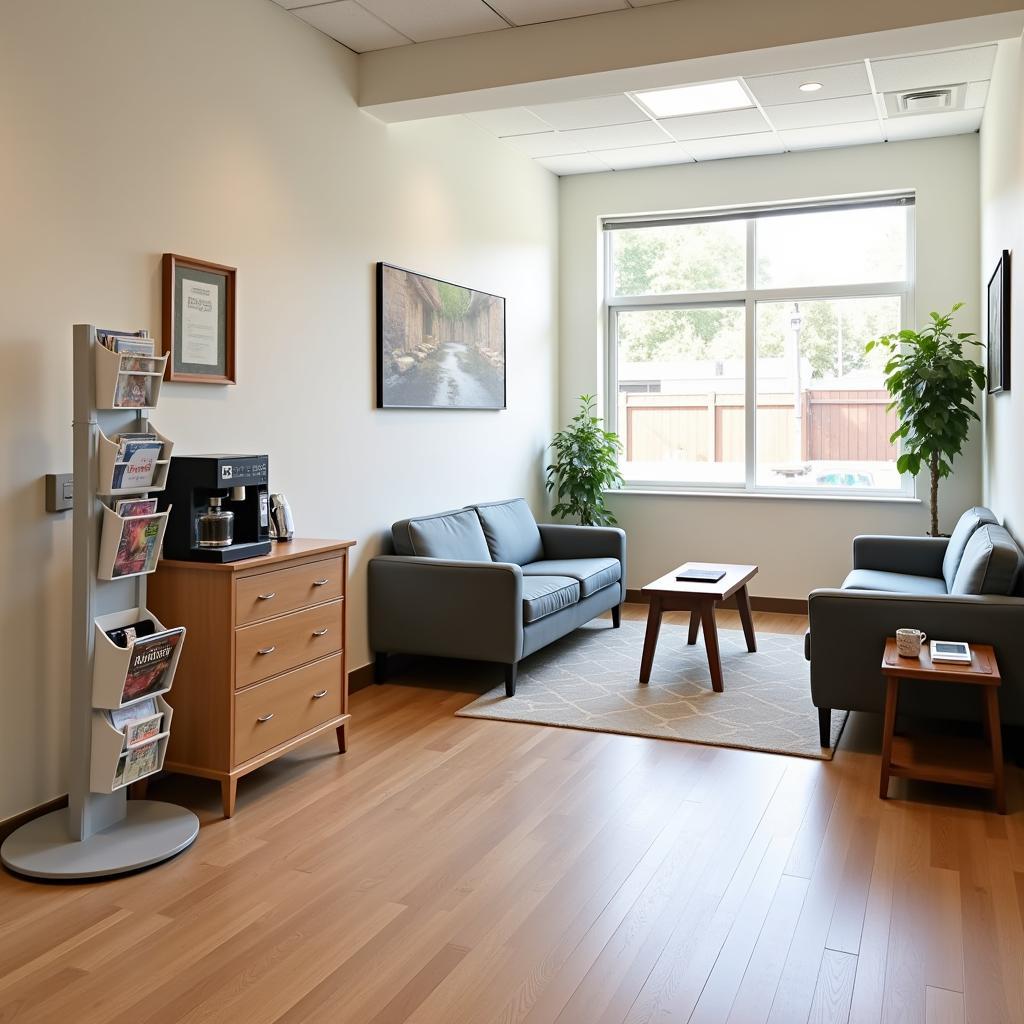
x: 998, y: 327
x: 417, y: 366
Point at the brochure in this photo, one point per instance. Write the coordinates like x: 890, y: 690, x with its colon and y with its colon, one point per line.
x: 138, y: 546
x: 151, y: 659
x: 121, y: 717
x: 128, y: 507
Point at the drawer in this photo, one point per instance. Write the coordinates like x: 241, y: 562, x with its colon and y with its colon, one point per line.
x: 280, y: 644
x: 283, y: 708
x: 287, y: 590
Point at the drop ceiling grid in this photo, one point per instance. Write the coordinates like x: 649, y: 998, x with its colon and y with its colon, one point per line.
x: 847, y: 110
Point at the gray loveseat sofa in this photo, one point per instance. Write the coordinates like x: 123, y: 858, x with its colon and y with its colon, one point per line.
x: 487, y: 583
x: 966, y: 587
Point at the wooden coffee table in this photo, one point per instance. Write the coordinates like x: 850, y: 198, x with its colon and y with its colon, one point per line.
x: 668, y: 594
x: 958, y: 760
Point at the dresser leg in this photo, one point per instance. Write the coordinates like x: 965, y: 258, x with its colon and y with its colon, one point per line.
x: 342, y: 737
x: 228, y: 792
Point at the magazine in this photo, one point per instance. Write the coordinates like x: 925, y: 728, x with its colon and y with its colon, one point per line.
x: 121, y: 717
x: 138, y: 547
x: 125, y: 636
x: 150, y: 661
x: 141, y: 730
x: 137, y: 762
x: 135, y: 465
x: 133, y: 392
x: 135, y: 507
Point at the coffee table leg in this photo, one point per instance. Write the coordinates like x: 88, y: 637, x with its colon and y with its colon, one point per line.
x: 651, y: 638
x: 892, y: 696
x: 694, y: 626
x: 995, y: 737
x: 707, y: 618
x: 743, y: 604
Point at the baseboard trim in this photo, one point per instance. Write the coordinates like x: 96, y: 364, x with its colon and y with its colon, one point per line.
x: 360, y: 678
x: 15, y: 821
x: 785, y: 605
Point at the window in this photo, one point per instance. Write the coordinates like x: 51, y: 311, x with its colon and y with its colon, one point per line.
x: 736, y: 346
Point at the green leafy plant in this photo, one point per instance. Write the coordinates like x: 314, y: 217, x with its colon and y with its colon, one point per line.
x: 586, y: 464
x: 932, y: 385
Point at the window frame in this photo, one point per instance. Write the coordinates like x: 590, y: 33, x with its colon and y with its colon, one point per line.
x: 748, y: 298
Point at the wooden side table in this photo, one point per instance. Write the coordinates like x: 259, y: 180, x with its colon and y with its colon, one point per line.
x: 956, y: 760
x: 667, y: 594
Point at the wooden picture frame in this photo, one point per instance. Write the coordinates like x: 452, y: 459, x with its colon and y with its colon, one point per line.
x: 200, y: 342
x: 998, y: 326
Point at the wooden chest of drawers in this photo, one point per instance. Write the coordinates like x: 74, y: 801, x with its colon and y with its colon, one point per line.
x: 263, y: 667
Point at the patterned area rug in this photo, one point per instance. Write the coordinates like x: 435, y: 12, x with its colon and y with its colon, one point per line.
x: 588, y: 680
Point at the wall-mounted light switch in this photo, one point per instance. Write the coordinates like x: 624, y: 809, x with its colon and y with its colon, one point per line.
x: 60, y: 492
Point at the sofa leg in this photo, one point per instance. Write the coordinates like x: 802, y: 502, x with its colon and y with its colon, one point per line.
x: 380, y: 667
x: 825, y: 726
x: 617, y: 616
x: 510, y: 679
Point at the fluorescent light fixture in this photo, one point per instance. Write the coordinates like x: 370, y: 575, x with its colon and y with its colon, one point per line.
x: 810, y: 87
x: 695, y: 99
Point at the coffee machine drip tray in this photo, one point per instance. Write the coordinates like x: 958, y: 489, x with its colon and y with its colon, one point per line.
x: 234, y: 553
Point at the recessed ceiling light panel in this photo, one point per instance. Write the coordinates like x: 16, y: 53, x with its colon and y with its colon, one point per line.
x: 695, y: 99
x: 810, y: 87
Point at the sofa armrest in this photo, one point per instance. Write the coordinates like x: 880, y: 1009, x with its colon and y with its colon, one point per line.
x: 562, y: 540
x: 447, y: 608
x: 914, y: 556
x: 847, y: 636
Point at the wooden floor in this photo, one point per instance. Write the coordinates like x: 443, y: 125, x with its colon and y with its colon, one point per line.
x: 458, y: 871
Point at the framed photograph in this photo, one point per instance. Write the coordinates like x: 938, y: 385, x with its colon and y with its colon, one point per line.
x: 198, y: 320
x: 998, y: 335
x: 439, y: 345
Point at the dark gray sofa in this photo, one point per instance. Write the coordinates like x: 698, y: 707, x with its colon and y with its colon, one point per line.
x: 487, y: 583
x: 966, y: 587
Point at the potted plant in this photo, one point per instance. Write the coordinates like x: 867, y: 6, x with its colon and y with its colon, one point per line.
x: 932, y: 385
x: 586, y: 464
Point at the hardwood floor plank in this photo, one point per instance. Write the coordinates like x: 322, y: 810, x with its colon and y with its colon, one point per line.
x: 944, y: 1007
x: 834, y: 989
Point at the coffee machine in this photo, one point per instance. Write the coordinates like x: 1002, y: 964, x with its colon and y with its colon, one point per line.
x: 220, y: 508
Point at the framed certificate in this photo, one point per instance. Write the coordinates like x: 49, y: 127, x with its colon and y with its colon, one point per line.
x: 199, y: 320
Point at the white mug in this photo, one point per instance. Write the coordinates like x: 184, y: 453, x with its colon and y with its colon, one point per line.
x: 909, y: 641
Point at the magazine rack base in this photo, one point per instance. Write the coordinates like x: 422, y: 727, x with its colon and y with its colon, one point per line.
x: 150, y: 832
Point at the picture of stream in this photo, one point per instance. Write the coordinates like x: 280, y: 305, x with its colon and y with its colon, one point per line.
x: 440, y: 346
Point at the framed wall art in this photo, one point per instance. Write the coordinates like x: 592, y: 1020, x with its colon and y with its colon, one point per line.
x: 998, y: 332
x: 198, y: 320
x: 439, y: 345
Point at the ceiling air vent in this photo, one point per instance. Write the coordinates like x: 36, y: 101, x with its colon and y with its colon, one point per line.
x: 925, y: 101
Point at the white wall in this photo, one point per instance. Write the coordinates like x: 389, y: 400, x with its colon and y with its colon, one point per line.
x: 798, y: 544
x: 228, y: 131
x: 1002, y: 227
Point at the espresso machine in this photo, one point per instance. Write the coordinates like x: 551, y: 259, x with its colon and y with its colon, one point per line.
x: 220, y: 508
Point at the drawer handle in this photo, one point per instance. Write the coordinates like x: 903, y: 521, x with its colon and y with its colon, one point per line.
x: 320, y: 632
x: 267, y: 650
x: 267, y: 597
x: 266, y: 718
x: 321, y: 583
x: 319, y: 694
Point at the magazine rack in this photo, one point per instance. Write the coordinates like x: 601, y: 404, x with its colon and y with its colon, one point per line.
x: 113, y: 527
x: 111, y: 369
x: 109, y: 748
x: 110, y: 663
x: 108, y: 462
x: 101, y: 833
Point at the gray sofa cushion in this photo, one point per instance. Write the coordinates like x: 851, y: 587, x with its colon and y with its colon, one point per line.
x: 965, y: 527
x: 545, y: 595
x: 594, y: 574
x: 455, y: 535
x: 511, y: 531
x: 989, y: 565
x: 893, y: 582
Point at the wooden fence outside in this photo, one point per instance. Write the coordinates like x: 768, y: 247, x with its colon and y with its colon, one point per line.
x: 848, y: 426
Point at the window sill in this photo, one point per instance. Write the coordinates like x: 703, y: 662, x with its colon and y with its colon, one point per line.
x: 682, y: 492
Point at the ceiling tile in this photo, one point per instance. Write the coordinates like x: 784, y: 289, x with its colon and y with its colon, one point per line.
x: 707, y: 126
x: 529, y: 12
x: 438, y: 19
x: 595, y: 113
x: 828, y: 136
x: 928, y: 126
x: 352, y: 25
x: 510, y: 121
x: 977, y: 93
x: 647, y: 133
x: 839, y: 80
x: 578, y: 163
x: 757, y: 144
x: 928, y: 69
x: 844, y: 110
x: 645, y: 156
x: 546, y: 144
